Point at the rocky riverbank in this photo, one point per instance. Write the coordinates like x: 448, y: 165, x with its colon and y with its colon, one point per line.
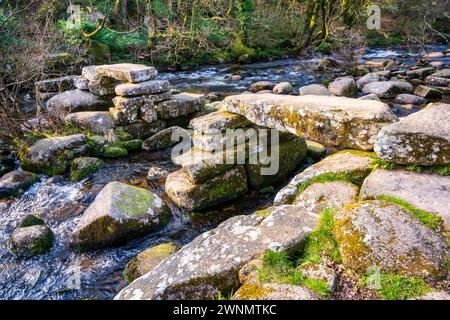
x: 363, y: 168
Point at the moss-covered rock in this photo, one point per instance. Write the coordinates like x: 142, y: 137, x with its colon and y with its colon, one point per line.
x: 339, y: 121
x: 163, y: 139
x: 120, y: 212
x: 84, y: 166
x: 16, y: 182
x: 290, y: 155
x: 53, y: 156
x: 132, y: 145
x: 29, y: 241
x: 190, y: 196
x: 381, y: 234
x: 31, y: 220
x: 114, y: 151
x: 148, y: 259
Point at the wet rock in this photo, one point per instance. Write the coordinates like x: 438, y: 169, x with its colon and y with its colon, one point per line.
x: 127, y: 72
x: 437, y: 81
x: 120, y: 212
x: 370, y: 96
x: 419, y: 73
x: 156, y: 173
x: 261, y: 85
x: 337, y: 121
x: 84, y: 166
x: 6, y: 164
x: 234, y: 77
x: 95, y: 121
x: 345, y: 87
x: 387, y: 89
x: 357, y: 164
x: 385, y: 235
x: 428, y: 93
x: 163, y: 139
x: 148, y: 259
x: 52, y: 156
x: 444, y: 73
x: 30, y: 241
x: 144, y: 130
x: 315, y: 150
x: 422, y: 138
x: 334, y: 194
x: 143, y: 88
x: 210, y: 263
x: 55, y: 85
x: 31, y: 220
x: 410, y: 99
x: 282, y: 88
x: 315, y: 90
x: 114, y: 152
x: 290, y: 155
x: 76, y: 101
x: 221, y: 188
x: 16, y: 182
x: 429, y: 192
x: 368, y: 78
x: 329, y: 63
x: 434, y: 55
x: 181, y: 105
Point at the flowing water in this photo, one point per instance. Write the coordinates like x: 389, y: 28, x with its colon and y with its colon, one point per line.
x: 61, y: 202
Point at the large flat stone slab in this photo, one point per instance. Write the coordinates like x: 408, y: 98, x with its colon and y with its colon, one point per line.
x: 142, y: 88
x: 95, y: 121
x: 210, y: 263
x: 430, y: 192
x: 127, y: 72
x: 76, y: 101
x: 336, y: 121
x: 422, y: 138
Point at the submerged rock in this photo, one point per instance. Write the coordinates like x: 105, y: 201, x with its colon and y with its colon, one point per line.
x: 30, y: 241
x: 422, y: 138
x: 190, y: 196
x: 349, y: 162
x: 16, y: 182
x: 430, y: 192
x: 210, y: 263
x: 84, y: 166
x: 148, y: 259
x: 120, y: 212
x: 381, y: 234
x: 337, y: 121
x: 53, y: 156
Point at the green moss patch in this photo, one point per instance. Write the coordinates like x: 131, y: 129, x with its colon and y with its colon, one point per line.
x: 429, y: 219
x: 397, y: 287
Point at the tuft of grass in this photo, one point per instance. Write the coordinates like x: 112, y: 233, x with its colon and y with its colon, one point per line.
x: 427, y: 218
x: 223, y: 296
x: 400, y: 287
x: 279, y: 267
x: 443, y: 170
x: 321, y: 242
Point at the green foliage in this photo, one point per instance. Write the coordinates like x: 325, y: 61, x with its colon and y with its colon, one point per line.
x: 376, y: 39
x: 279, y: 268
x: 325, y: 47
x: 399, y: 287
x: 321, y: 242
x: 429, y: 219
